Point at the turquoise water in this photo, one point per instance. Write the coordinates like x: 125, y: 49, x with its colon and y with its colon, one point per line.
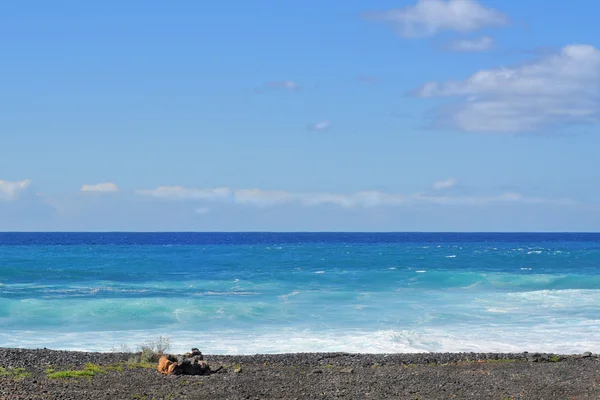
x: 265, y: 293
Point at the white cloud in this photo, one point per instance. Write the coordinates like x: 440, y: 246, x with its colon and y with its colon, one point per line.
x: 9, y: 190
x: 180, y: 192
x: 483, y: 43
x: 261, y: 198
x: 106, y: 187
x: 288, y: 85
x: 320, y: 126
x: 448, y: 183
x: 364, y: 199
x: 429, y: 17
x: 557, y: 89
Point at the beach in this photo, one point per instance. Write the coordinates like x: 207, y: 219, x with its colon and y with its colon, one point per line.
x: 305, y: 376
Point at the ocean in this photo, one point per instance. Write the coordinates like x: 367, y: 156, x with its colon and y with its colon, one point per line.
x: 246, y: 293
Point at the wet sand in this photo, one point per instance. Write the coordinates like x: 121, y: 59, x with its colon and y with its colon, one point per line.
x: 25, y: 375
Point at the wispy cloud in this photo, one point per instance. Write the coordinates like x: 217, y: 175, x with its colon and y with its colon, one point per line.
x: 481, y: 44
x: 446, y: 184
x: 287, y: 85
x: 9, y: 190
x: 429, y: 17
x: 368, y: 79
x: 363, y: 199
x: 180, y: 192
x: 106, y: 187
x: 548, y: 92
x: 320, y: 126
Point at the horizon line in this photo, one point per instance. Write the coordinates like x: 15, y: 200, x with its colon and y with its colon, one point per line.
x: 321, y: 232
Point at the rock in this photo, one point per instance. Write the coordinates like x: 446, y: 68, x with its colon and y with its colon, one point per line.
x: 167, y: 367
x: 189, y: 364
x: 195, y: 352
x: 237, y: 369
x: 534, y: 357
x: 347, y: 370
x: 317, y: 371
x: 193, y: 365
x: 587, y: 354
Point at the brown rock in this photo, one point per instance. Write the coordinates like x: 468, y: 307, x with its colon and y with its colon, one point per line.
x: 166, y: 366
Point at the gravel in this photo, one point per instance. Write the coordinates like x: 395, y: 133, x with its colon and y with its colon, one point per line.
x: 308, y: 376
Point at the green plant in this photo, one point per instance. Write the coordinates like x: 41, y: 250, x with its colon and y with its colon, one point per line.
x: 148, y: 365
x: 14, y: 373
x: 97, y: 369
x: 114, y: 367
x: 71, y: 374
x: 88, y: 371
x: 554, y: 358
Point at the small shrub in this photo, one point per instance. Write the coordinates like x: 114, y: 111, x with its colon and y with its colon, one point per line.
x: 148, y: 356
x: 121, y: 349
x: 133, y: 359
x: 554, y: 358
x: 151, y: 351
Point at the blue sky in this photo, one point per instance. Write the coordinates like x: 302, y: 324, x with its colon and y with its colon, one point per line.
x: 427, y: 115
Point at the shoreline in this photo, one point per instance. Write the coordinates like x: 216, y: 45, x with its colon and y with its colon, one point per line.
x: 499, y: 376
x: 422, y: 358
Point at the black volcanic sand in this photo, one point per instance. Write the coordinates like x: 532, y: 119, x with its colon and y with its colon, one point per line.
x: 307, y: 376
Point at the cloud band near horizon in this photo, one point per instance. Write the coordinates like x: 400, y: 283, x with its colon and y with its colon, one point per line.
x: 362, y: 199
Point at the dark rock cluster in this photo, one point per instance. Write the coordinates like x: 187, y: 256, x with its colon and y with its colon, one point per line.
x: 188, y: 364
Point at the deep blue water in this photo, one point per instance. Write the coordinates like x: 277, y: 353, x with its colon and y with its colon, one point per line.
x: 283, y: 292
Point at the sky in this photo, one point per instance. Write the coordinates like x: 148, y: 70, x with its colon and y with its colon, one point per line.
x: 379, y: 115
